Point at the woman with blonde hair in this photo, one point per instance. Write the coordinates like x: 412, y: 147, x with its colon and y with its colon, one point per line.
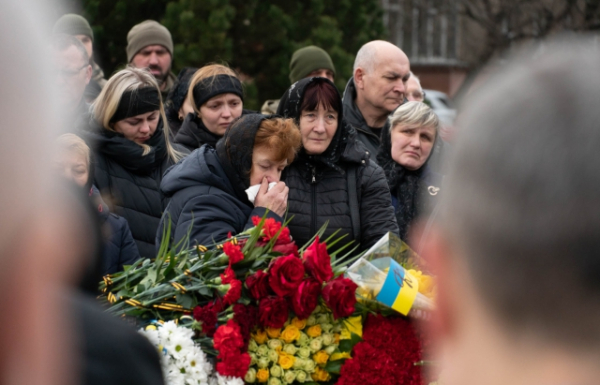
x: 130, y: 138
x: 404, y: 155
x: 216, y: 95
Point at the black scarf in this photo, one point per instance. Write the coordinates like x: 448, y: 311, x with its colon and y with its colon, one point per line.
x: 129, y: 154
x: 404, y: 184
x: 235, y: 152
x: 193, y: 133
x: 290, y: 107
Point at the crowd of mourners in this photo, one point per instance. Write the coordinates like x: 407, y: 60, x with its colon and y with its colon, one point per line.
x: 154, y: 150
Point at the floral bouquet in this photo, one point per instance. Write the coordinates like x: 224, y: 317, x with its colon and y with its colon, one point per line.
x: 264, y: 310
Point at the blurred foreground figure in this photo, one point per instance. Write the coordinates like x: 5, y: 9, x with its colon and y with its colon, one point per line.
x: 517, y: 240
x: 51, y: 333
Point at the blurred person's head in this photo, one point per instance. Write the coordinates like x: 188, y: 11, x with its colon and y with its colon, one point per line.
x: 311, y: 61
x: 217, y: 96
x: 72, y: 70
x: 516, y: 241
x: 150, y: 45
x: 414, y: 91
x: 380, y: 73
x: 44, y: 242
x: 72, y: 159
x: 78, y: 27
x: 178, y: 104
x: 131, y: 105
x: 413, y: 131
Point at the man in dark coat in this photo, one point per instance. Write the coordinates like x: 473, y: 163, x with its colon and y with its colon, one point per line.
x: 321, y: 188
x: 377, y: 88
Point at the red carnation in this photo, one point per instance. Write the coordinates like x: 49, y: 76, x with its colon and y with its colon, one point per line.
x: 234, y: 365
x: 234, y: 293
x: 273, y: 312
x: 234, y: 252
x: 228, y: 339
x: 258, y: 284
x: 270, y: 229
x: 247, y: 317
x: 340, y: 296
x: 228, y: 275
x: 285, y: 274
x: 317, y: 261
x: 306, y: 298
x: 208, y: 316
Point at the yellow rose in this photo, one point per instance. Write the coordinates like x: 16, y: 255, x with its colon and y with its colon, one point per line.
x: 336, y: 338
x: 286, y: 361
x: 314, y: 331
x: 260, y: 336
x: 300, y: 324
x: 290, y: 334
x: 339, y: 356
x: 426, y: 283
x: 320, y: 357
x: 320, y: 375
x: 262, y: 375
x: 273, y: 333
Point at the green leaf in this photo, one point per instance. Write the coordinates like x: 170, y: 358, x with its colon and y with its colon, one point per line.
x: 334, y: 366
x: 185, y: 300
x: 348, y: 345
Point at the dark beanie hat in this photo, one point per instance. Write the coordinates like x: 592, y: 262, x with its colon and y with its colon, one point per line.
x: 71, y: 24
x: 306, y: 60
x: 147, y: 33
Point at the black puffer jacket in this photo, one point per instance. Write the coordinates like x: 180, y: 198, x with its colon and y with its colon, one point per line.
x: 119, y: 247
x: 193, y: 134
x: 319, y: 185
x: 207, y: 189
x: 355, y: 118
x: 130, y: 182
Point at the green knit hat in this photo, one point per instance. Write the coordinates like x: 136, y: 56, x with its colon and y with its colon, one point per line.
x: 71, y: 24
x: 147, y: 33
x: 306, y: 60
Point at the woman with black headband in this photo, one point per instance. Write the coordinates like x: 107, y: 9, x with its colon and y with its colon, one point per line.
x: 132, y: 151
x: 217, y: 97
x: 208, y: 189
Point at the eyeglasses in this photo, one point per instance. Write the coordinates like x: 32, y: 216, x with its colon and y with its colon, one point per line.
x: 417, y: 95
x: 67, y: 74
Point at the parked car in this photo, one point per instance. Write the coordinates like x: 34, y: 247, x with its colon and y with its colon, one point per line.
x: 443, y: 107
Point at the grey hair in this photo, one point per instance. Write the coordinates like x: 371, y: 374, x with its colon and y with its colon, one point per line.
x: 365, y: 57
x: 412, y: 75
x: 521, y: 204
x: 414, y: 114
x: 62, y: 42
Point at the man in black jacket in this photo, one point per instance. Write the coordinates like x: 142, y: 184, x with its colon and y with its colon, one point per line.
x: 377, y: 88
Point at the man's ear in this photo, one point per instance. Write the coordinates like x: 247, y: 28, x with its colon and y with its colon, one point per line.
x: 437, y: 255
x: 88, y: 74
x: 359, y: 75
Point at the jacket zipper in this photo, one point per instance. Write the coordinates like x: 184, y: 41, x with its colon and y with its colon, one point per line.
x: 313, y: 186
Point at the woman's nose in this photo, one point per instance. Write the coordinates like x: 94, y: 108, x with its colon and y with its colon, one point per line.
x: 145, y: 127
x: 320, y: 125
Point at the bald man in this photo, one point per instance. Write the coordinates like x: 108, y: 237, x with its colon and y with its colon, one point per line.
x: 377, y: 88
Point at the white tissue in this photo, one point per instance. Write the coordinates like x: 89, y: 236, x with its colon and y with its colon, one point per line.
x: 252, y: 191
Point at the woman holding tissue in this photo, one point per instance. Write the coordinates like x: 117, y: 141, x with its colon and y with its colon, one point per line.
x: 333, y: 179
x: 208, y: 188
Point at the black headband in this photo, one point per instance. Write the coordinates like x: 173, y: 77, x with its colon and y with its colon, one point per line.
x: 136, y: 102
x: 217, y: 85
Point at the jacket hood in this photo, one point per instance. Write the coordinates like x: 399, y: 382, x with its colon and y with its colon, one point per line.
x: 202, y: 166
x: 342, y: 146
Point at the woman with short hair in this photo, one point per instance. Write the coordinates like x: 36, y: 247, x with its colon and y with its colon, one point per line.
x: 217, y: 97
x: 208, y: 189
x: 333, y: 178
x: 130, y: 138
x: 404, y: 154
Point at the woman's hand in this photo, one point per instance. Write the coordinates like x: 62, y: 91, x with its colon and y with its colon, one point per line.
x: 275, y: 199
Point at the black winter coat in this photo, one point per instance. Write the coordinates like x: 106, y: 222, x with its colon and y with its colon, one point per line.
x: 193, y: 134
x: 119, y: 246
x: 355, y: 118
x: 203, y: 199
x: 319, y: 185
x: 130, y: 182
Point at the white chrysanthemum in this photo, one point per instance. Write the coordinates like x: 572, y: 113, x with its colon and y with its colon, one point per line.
x: 178, y: 346
x: 167, y: 329
x: 175, y: 377
x: 152, y: 336
x: 224, y: 380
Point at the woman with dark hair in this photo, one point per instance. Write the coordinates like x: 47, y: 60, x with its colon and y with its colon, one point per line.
x: 215, y: 93
x: 130, y: 139
x: 208, y: 188
x: 332, y: 178
x: 404, y: 155
x: 177, y: 104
